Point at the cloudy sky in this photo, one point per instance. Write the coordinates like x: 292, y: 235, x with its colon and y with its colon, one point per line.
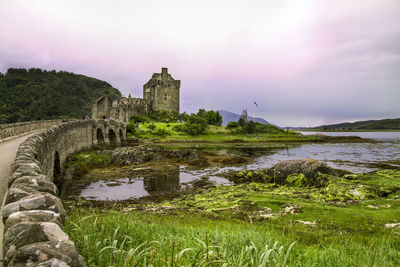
x: 305, y: 63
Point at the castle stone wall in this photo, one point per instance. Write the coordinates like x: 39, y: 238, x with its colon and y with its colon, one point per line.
x: 161, y: 92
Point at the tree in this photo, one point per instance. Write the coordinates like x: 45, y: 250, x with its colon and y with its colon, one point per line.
x: 212, y: 117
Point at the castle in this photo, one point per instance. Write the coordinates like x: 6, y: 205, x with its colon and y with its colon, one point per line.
x: 161, y: 92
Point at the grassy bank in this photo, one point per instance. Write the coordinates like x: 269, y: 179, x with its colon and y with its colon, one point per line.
x: 165, y: 132
x: 339, y: 224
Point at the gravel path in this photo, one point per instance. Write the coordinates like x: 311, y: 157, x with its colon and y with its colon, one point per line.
x: 8, y: 151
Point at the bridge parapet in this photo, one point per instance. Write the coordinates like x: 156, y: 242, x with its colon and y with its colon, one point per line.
x: 15, y: 129
x: 33, y: 213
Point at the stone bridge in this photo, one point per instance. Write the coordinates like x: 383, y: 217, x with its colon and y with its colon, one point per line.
x: 33, y: 215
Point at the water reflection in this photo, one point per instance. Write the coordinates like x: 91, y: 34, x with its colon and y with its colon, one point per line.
x: 142, y: 182
x: 162, y: 181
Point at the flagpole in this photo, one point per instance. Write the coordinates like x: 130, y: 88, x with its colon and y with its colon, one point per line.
x: 255, y: 104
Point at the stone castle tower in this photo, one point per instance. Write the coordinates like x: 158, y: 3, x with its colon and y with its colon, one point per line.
x: 161, y: 92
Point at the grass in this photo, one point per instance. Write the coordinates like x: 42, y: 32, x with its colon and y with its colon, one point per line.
x: 90, y: 158
x: 248, y: 225
x: 219, y: 134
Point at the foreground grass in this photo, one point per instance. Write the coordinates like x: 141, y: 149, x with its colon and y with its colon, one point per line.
x: 239, y: 226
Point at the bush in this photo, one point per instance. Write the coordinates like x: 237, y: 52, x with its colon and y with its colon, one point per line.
x: 160, y: 132
x: 163, y: 116
x: 195, y: 125
x: 267, y: 128
x: 250, y: 127
x: 242, y: 122
x: 130, y: 128
x: 232, y: 125
x: 151, y: 126
x: 137, y: 118
x: 178, y: 128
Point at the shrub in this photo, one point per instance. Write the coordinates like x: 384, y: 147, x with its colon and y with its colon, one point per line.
x: 130, y: 128
x: 178, y: 128
x: 195, y: 125
x: 163, y: 116
x: 137, y: 118
x: 232, y: 125
x: 241, y: 122
x: 151, y: 126
x: 267, y: 128
x: 161, y: 132
x: 250, y: 127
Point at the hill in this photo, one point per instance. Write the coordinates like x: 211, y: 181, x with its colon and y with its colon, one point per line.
x: 386, y: 124
x: 37, y: 94
x: 228, y: 116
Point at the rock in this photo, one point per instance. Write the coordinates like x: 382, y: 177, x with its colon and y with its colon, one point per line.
x: 29, y: 185
x: 33, y: 216
x: 307, y: 223
x: 23, y: 165
x: 234, y: 160
x: 200, y: 162
x: 25, y: 233
x: 40, y: 201
x: 53, y: 263
x: 392, y: 225
x: 185, y: 154
x: 24, y: 171
x: 44, y: 253
x: 141, y: 154
x: 309, y: 167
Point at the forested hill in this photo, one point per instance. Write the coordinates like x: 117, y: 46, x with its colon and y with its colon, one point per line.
x: 37, y: 94
x: 386, y: 124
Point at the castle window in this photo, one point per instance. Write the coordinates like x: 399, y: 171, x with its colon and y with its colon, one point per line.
x: 166, y: 97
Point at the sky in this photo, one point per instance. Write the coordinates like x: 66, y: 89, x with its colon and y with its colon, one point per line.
x: 305, y: 63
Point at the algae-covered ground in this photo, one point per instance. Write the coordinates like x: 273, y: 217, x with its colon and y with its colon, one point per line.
x: 349, y: 220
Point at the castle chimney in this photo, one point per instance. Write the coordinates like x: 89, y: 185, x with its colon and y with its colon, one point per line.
x: 164, y: 74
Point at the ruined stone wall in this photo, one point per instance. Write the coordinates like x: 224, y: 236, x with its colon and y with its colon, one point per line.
x: 15, y: 129
x: 124, y: 108
x: 33, y: 214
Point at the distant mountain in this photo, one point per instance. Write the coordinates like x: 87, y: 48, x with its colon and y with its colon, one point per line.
x: 36, y: 94
x: 386, y: 124
x: 228, y: 116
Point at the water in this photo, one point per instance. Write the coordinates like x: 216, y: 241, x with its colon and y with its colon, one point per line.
x: 132, y: 182
x: 142, y: 182
x: 382, y: 136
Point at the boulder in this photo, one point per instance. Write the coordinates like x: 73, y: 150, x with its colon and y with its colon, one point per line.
x: 309, y: 167
x: 46, y: 253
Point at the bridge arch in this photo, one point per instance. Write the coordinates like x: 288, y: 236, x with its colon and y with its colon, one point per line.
x: 121, y: 135
x: 112, y: 137
x: 99, y: 136
x: 57, y: 176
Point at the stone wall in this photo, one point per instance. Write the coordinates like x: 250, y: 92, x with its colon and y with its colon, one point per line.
x: 33, y: 215
x: 15, y: 129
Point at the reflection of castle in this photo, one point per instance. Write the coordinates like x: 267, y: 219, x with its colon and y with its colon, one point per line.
x: 162, y: 181
x: 161, y: 92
